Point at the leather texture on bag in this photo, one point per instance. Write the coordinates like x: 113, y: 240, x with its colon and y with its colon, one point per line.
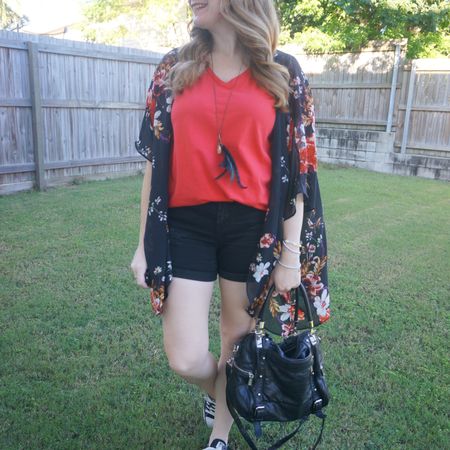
x: 279, y: 382
x: 285, y: 391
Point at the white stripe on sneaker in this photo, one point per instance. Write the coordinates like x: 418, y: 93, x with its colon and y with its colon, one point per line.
x: 209, y: 410
x: 217, y: 444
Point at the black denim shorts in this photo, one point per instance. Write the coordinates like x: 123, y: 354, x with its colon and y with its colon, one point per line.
x: 214, y: 238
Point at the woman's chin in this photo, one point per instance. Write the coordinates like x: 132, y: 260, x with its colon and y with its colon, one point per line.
x: 199, y: 23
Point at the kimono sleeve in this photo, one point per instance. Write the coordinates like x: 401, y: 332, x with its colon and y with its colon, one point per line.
x: 146, y: 134
x: 303, y: 179
x: 151, y: 125
x: 302, y: 138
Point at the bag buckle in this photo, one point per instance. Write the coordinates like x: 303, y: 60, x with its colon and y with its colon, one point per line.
x: 259, y: 332
x: 259, y: 343
x: 259, y: 327
x: 317, y: 405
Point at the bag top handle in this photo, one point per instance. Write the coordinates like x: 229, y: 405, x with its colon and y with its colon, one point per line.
x: 297, y: 290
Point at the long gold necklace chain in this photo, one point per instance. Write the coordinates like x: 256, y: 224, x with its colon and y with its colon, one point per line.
x: 219, y: 131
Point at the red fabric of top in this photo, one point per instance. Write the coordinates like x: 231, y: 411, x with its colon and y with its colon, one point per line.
x: 248, y: 123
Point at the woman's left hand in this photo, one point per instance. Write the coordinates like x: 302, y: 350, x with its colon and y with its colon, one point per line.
x: 286, y: 279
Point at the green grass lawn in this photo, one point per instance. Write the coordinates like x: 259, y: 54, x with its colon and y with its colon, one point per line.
x: 81, y: 357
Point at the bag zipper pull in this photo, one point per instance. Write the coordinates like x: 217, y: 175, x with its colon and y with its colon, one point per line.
x: 250, y: 378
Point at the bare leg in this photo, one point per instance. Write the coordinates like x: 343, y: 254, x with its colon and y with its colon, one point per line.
x: 234, y: 323
x: 185, y: 327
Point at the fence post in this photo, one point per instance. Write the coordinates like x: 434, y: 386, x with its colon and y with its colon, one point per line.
x: 412, y: 79
x: 393, y: 88
x: 36, y: 114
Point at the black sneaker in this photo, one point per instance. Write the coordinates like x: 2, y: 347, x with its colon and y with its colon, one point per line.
x: 209, y: 410
x: 217, y: 444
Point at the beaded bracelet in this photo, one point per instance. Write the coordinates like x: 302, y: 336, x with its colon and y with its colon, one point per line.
x: 288, y: 267
x: 290, y: 249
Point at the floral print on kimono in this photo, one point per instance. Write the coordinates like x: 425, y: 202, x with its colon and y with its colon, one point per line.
x: 294, y: 170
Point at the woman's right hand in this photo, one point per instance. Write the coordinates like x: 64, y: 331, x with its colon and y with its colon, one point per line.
x: 139, y: 266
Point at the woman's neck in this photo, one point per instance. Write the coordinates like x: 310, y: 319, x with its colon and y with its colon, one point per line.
x: 225, y: 45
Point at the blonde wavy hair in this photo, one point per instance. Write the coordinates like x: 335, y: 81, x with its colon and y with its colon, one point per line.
x: 257, y: 28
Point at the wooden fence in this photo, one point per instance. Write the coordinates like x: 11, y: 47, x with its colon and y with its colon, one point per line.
x: 68, y: 110
x: 355, y: 90
x: 424, y: 108
x: 72, y: 110
x: 379, y: 91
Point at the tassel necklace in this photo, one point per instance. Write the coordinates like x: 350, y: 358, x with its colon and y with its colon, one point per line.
x: 228, y: 163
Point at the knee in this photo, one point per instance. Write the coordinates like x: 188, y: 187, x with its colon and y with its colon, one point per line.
x: 230, y: 336
x: 186, y: 365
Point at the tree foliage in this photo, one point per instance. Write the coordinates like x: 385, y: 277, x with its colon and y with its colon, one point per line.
x: 149, y: 22
x: 316, y: 25
x: 337, y: 25
x: 9, y: 19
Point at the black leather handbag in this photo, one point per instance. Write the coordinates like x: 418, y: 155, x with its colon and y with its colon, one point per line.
x: 277, y: 382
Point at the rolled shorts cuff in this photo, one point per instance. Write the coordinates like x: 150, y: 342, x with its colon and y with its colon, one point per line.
x: 234, y: 276
x: 194, y: 274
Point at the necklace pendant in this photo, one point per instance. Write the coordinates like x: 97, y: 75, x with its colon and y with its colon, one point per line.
x: 219, y: 145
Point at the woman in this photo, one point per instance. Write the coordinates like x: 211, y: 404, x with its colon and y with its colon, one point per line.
x: 230, y: 187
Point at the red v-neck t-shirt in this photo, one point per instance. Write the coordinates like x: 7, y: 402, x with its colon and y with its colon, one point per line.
x: 247, y: 125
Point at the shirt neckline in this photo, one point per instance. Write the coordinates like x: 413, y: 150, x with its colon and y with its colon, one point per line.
x: 228, y: 83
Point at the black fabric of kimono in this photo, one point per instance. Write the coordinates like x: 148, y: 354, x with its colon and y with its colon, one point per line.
x: 294, y: 170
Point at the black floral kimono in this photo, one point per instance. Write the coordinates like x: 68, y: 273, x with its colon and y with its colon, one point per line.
x: 294, y: 170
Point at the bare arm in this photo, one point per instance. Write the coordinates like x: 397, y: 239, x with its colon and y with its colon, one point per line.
x: 139, y: 263
x: 145, y: 195
x: 287, y: 278
x: 292, y: 229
